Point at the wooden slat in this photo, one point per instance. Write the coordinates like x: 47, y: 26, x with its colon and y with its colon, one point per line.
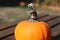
x: 47, y: 18
x: 6, y: 32
x: 9, y: 38
x: 42, y: 15
x: 9, y: 25
x: 54, y: 22
x: 56, y: 30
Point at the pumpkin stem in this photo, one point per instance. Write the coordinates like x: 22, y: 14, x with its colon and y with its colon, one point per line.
x: 32, y: 12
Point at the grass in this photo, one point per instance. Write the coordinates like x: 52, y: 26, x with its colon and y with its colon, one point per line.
x: 48, y: 11
x: 13, y: 16
x: 18, y: 13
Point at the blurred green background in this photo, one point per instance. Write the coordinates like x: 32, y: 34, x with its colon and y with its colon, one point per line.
x: 11, y: 11
x: 10, y: 14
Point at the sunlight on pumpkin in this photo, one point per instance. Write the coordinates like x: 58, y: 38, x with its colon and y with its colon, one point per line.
x: 26, y: 30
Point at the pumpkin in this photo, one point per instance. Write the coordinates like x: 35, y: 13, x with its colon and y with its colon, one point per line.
x: 32, y: 30
x: 26, y: 30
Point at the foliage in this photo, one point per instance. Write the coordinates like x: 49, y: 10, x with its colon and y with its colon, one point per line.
x: 49, y: 2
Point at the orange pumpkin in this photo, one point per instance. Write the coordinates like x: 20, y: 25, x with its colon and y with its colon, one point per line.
x: 26, y: 30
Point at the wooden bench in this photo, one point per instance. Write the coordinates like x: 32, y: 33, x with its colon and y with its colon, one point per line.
x: 7, y: 30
